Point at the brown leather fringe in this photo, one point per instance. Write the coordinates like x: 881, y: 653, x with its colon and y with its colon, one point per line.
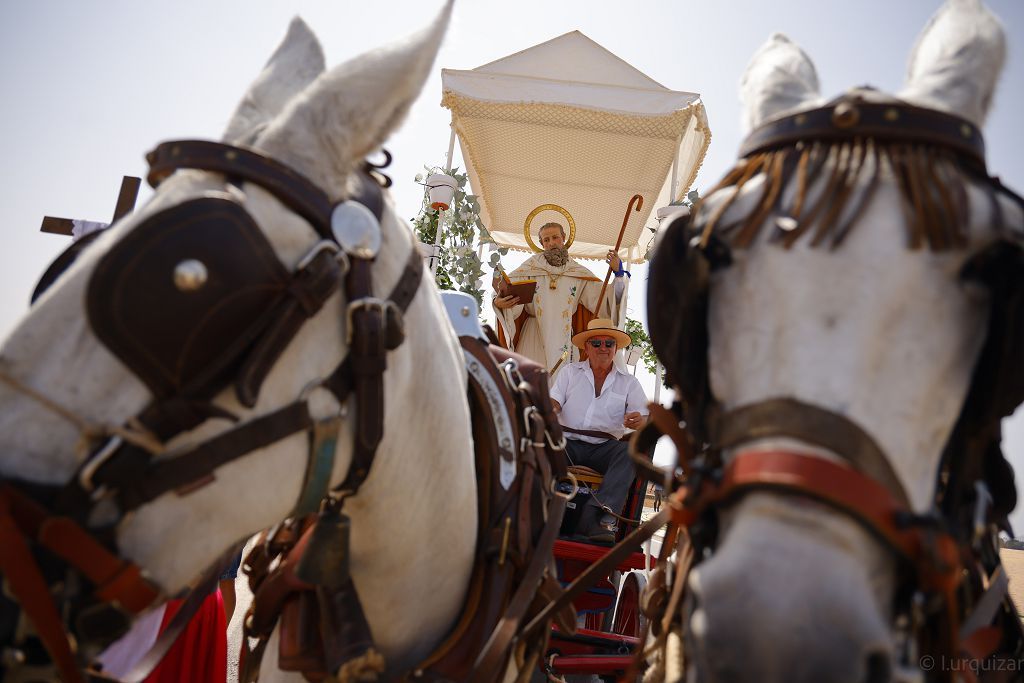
x: 931, y: 180
x: 843, y: 229
x: 744, y: 173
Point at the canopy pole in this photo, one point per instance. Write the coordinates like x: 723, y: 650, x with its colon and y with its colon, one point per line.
x: 637, y: 201
x: 675, y: 179
x: 435, y: 257
x: 658, y: 371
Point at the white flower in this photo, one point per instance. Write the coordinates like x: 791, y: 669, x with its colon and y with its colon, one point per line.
x: 419, y: 177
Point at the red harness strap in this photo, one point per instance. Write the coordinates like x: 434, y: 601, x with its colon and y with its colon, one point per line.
x: 117, y: 581
x: 932, y: 553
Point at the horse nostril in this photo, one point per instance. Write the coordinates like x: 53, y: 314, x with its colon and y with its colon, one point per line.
x: 878, y: 668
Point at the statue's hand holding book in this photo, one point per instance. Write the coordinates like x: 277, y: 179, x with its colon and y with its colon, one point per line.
x: 521, y: 289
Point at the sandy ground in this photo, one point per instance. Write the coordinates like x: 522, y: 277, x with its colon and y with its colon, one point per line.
x: 243, y: 597
x: 1013, y: 560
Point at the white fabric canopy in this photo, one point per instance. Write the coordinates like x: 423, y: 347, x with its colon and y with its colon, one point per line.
x: 567, y: 122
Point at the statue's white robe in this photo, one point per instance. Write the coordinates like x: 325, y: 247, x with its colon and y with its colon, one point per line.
x: 564, y: 302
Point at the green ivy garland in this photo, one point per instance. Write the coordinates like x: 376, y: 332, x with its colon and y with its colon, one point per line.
x: 459, y: 266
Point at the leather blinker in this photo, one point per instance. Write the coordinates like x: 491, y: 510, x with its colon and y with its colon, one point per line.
x: 187, y: 339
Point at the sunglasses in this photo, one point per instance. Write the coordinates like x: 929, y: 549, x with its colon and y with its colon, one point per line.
x: 608, y: 343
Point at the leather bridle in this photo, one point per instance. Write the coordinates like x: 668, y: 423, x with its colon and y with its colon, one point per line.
x: 129, y: 476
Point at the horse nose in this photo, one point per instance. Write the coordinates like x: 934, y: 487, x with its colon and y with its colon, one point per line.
x: 739, y: 633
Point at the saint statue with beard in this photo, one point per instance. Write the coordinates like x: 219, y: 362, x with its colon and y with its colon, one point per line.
x: 563, y: 303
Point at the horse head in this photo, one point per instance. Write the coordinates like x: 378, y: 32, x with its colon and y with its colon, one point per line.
x: 837, y: 287
x: 226, y: 307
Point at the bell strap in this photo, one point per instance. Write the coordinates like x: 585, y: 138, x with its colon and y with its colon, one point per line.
x: 788, y: 417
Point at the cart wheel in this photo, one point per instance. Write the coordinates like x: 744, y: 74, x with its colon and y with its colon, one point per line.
x: 628, y: 620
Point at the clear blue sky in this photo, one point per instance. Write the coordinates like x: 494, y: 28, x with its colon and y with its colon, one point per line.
x: 91, y: 86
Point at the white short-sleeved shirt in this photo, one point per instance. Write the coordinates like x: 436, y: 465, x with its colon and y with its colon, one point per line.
x: 574, y: 390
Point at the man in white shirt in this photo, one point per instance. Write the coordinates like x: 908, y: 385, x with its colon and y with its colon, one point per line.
x: 596, y: 402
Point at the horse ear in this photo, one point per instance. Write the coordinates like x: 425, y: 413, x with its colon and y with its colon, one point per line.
x: 957, y: 60
x: 296, y: 62
x: 349, y: 111
x: 779, y: 78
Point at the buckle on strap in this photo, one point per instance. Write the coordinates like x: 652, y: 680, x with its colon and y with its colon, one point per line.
x: 90, y: 468
x: 370, y: 303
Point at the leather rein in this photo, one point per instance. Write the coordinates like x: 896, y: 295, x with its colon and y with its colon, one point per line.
x: 128, y: 476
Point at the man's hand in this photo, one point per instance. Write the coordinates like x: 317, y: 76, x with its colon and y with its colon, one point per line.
x: 504, y: 302
x: 613, y: 260
x: 557, y: 406
x: 634, y: 420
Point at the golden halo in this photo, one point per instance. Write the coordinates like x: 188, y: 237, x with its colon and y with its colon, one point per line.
x: 548, y: 207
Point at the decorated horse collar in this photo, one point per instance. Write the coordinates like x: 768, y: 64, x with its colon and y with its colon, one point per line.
x: 862, y: 114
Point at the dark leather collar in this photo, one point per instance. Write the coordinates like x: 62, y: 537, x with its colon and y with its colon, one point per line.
x: 850, y: 117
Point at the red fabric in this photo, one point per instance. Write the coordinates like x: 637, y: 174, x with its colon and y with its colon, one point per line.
x: 200, y: 655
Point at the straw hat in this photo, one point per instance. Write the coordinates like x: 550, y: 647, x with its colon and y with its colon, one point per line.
x: 601, y: 327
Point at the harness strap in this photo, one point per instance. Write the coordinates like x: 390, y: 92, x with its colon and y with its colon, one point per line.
x: 493, y: 656
x: 309, y: 290
x: 114, y: 579
x: 369, y: 361
x: 292, y: 188
x: 789, y: 417
x: 341, y: 381
x: 197, y: 465
x: 933, y: 553
x: 29, y: 587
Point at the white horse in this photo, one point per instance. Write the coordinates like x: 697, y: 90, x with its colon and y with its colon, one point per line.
x: 884, y: 335
x: 414, y: 521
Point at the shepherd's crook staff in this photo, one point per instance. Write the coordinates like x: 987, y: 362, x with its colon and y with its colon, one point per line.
x: 639, y: 201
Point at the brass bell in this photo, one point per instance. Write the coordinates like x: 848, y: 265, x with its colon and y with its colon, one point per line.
x: 326, y: 559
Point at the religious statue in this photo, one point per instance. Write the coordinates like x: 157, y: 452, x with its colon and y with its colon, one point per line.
x: 564, y: 299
